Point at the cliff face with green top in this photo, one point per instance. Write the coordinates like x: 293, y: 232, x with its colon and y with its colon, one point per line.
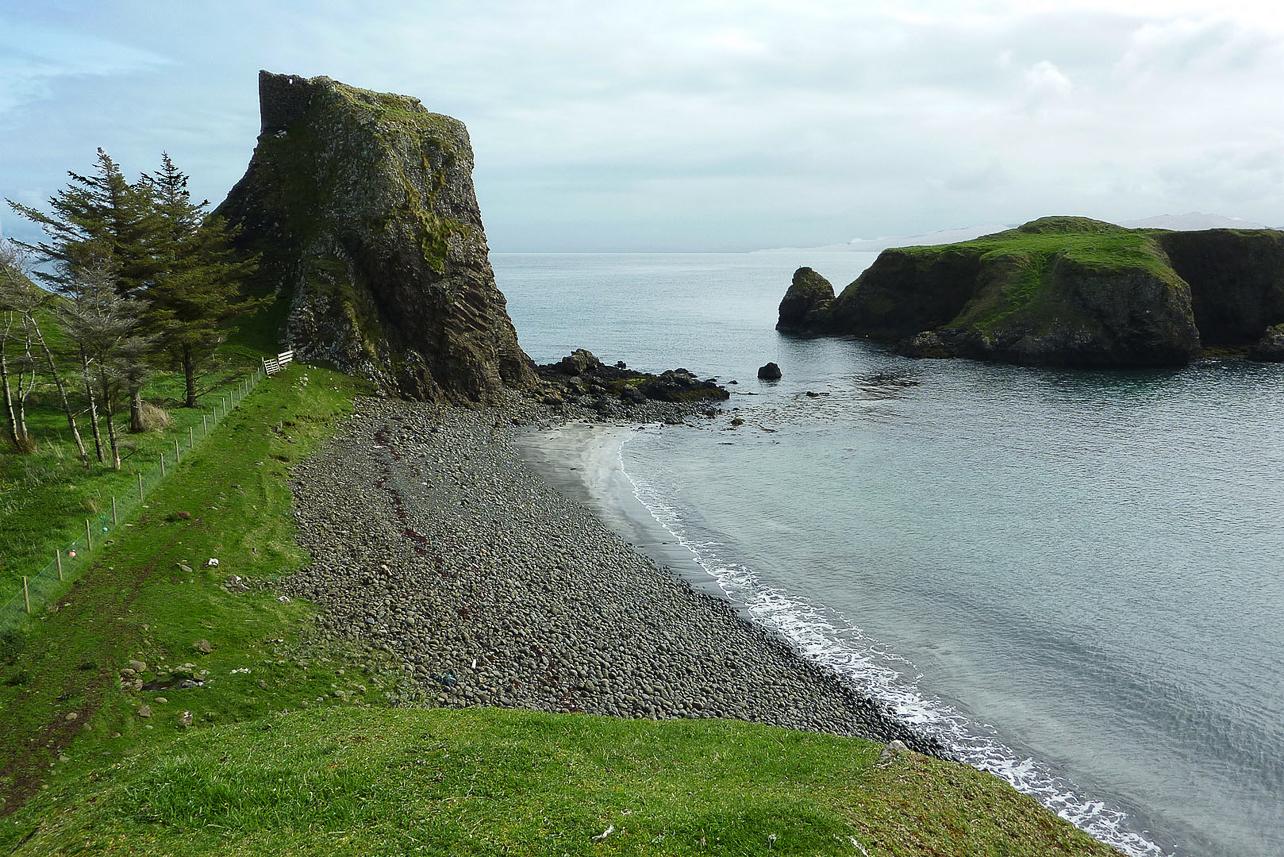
x: 1062, y: 291
x: 362, y: 206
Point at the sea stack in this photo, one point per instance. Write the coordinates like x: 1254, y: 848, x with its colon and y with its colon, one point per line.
x: 362, y: 207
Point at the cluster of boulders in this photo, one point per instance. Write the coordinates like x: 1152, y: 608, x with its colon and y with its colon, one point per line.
x: 582, y: 379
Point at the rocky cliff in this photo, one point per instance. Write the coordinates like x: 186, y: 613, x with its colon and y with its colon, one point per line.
x: 363, y: 209
x: 1061, y: 291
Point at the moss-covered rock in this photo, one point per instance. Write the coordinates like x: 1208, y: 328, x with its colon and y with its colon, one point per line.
x: 362, y: 206
x: 806, y: 303
x: 1066, y: 291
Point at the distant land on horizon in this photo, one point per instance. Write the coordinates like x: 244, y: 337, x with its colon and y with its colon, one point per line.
x: 1190, y: 222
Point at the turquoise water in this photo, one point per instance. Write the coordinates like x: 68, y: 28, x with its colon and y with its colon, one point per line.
x: 1074, y: 578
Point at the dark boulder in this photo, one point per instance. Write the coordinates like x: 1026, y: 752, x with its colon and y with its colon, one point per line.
x: 579, y: 362
x: 1270, y: 348
x: 770, y: 372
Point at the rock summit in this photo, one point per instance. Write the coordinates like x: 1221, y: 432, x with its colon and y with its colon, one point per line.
x: 362, y: 207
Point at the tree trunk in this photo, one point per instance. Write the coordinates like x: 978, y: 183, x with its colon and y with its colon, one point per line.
x: 62, y: 395
x: 189, y: 375
x: 109, y: 406
x: 8, y: 396
x: 17, y: 419
x: 28, y: 365
x: 136, y: 410
x: 93, y: 406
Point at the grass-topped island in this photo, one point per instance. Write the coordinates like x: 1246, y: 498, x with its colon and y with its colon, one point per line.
x: 1066, y: 291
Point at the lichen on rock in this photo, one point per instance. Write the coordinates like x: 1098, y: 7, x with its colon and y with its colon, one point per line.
x: 362, y: 206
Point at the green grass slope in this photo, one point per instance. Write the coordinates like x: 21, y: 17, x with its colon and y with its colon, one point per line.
x: 271, y: 743
x: 487, y: 781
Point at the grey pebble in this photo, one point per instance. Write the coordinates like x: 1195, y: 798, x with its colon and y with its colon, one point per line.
x: 432, y: 541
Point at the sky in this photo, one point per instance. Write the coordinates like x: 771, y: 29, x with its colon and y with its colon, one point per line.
x: 693, y: 125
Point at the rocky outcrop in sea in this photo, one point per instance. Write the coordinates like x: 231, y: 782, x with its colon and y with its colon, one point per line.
x: 1065, y: 291
x: 362, y: 207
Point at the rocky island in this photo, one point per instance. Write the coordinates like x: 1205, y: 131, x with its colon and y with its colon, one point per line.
x: 1062, y: 291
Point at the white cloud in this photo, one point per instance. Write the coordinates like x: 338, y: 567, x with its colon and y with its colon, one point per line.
x: 1045, y: 78
x: 750, y: 123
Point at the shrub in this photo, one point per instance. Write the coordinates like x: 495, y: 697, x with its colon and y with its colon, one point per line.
x: 155, y: 418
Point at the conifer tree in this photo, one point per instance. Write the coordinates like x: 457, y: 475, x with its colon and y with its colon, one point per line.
x: 95, y: 214
x: 199, y: 275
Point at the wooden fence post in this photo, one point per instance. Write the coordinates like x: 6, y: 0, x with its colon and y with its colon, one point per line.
x: 162, y: 465
x: 205, y: 429
x: 89, y: 539
x: 191, y: 437
x: 140, y: 486
x: 58, y: 557
x: 113, y: 510
x: 26, y: 596
x: 177, y: 457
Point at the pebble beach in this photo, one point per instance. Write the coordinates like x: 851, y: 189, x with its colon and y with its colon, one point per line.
x: 433, y: 541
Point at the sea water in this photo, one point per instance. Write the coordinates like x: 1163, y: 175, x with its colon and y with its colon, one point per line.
x: 1073, y: 578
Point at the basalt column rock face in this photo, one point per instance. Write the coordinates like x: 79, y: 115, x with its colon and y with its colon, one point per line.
x: 362, y: 206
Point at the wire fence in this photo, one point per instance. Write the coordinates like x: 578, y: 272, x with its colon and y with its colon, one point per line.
x: 66, y: 565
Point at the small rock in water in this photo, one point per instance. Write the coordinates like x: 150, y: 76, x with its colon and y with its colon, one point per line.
x: 770, y: 372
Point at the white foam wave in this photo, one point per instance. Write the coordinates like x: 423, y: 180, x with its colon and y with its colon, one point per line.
x: 829, y: 639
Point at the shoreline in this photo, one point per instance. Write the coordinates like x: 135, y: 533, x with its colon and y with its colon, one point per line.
x: 433, y: 540
x: 582, y: 460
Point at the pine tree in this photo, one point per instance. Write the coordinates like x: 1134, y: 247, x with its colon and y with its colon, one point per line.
x: 96, y: 214
x: 197, y: 284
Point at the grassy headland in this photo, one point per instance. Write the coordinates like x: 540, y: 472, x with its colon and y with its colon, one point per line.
x: 1067, y: 291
